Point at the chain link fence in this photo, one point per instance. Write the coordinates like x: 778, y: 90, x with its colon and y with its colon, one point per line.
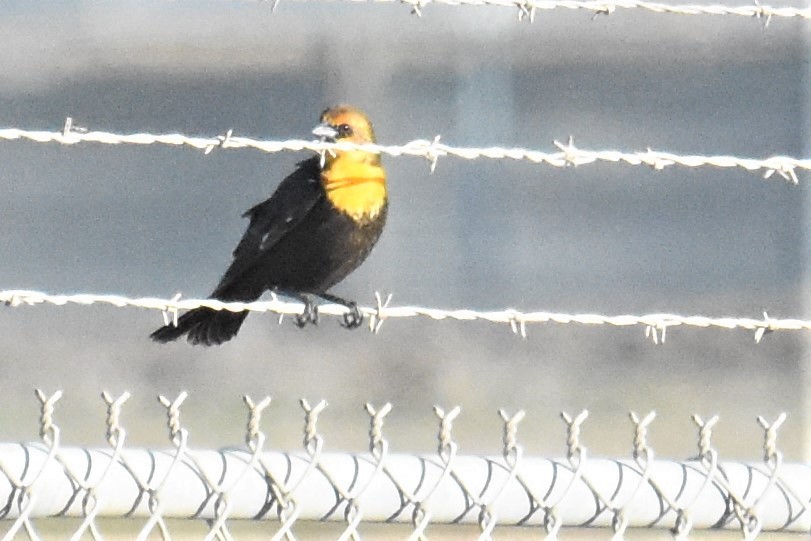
x: 287, y: 492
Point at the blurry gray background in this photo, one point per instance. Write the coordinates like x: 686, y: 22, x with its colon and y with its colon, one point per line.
x: 612, y: 239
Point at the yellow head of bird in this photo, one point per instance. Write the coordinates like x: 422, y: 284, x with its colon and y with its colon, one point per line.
x: 346, y: 124
x: 354, y: 180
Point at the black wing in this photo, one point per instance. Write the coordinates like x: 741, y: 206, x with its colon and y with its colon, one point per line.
x: 272, y: 219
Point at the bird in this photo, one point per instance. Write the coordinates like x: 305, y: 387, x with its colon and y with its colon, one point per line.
x: 318, y: 226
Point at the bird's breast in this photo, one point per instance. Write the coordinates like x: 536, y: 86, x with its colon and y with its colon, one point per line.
x: 358, y: 191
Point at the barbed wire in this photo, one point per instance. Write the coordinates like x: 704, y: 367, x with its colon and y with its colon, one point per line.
x: 528, y: 8
x: 655, y: 325
x: 283, y: 489
x: 567, y: 154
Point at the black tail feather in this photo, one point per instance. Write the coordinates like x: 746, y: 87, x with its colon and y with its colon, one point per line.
x: 202, y: 326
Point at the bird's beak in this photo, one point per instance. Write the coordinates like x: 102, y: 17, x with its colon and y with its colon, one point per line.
x: 325, y: 132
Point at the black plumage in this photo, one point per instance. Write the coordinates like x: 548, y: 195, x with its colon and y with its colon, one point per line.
x: 299, y: 241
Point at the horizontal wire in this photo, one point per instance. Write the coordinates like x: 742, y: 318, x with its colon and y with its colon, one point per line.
x: 527, y: 8
x: 567, y: 154
x: 516, y: 319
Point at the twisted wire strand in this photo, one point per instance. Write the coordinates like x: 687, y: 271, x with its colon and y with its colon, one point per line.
x: 516, y: 319
x: 527, y: 8
x: 567, y: 154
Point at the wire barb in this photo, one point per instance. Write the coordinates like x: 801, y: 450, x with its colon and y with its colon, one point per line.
x: 518, y: 323
x: 764, y: 13
x: 71, y: 129
x: 526, y: 10
x: 569, y: 153
x: 416, y: 6
x: 222, y: 140
x: 433, y: 152
x: 378, y: 316
x: 654, y: 330
x: 762, y: 331
x: 169, y: 312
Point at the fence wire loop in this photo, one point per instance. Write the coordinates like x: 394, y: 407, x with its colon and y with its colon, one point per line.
x: 446, y: 447
x: 749, y: 521
x: 683, y: 525
x: 641, y: 448
x: 176, y: 432
x: 705, y: 434
x: 511, y: 449
x: 573, y: 447
x: 254, y: 437
x: 770, y: 452
x: 48, y: 430
x: 114, y: 430
x: 619, y: 523
x: 312, y: 440
x: 551, y: 523
x: 288, y: 515
x: 377, y: 444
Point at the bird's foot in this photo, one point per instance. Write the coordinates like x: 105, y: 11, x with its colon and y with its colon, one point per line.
x: 309, y: 315
x: 353, y: 318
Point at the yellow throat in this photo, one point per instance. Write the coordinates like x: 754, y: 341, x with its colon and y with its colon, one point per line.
x: 355, y: 183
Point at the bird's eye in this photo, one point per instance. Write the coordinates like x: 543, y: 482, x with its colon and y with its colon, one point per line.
x: 344, y: 130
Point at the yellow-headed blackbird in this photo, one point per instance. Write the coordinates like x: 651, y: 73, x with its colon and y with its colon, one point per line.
x: 318, y: 226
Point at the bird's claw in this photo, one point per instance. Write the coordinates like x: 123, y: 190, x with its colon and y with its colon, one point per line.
x: 353, y: 318
x: 308, y: 315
